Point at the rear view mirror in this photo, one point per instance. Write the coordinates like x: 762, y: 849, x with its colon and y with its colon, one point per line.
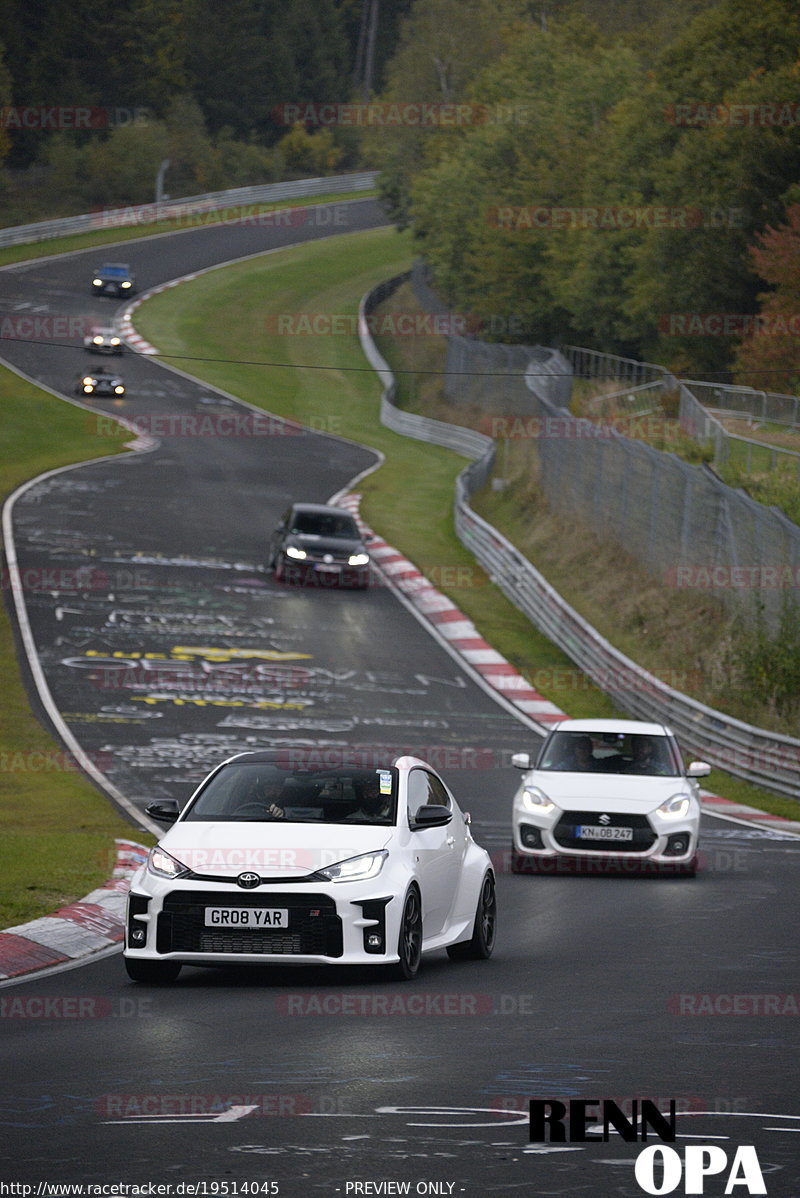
x: 521, y: 761
x: 432, y: 816
x: 698, y: 769
x: 166, y: 811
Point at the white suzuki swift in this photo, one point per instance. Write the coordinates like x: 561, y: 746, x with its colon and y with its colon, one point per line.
x: 605, y: 793
x: 281, y: 857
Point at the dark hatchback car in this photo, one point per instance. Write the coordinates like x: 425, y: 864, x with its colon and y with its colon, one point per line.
x: 319, y: 544
x: 113, y: 278
x: 99, y: 382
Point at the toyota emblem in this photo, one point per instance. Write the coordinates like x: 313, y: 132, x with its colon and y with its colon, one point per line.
x: 247, y: 881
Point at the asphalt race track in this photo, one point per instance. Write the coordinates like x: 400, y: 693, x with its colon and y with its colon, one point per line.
x: 175, y: 648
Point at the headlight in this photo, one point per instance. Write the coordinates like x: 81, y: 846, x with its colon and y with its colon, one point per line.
x: 119, y: 390
x: 88, y: 381
x: 126, y: 283
x: 160, y: 863
x: 97, y: 340
x: 296, y: 553
x: 358, y: 559
x: 115, y: 340
x: 88, y: 388
x: 536, y: 800
x: 97, y: 282
x: 355, y: 869
x: 675, y: 808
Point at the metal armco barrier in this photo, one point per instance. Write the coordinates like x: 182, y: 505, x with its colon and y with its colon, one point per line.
x: 764, y: 758
x: 187, y: 206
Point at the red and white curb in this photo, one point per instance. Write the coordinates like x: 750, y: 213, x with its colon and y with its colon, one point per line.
x: 78, y: 930
x: 716, y: 805
x: 124, y: 324
x: 451, y: 623
x: 462, y: 635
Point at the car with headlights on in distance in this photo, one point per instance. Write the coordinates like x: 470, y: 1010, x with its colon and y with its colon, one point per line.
x: 603, y: 794
x: 101, y: 382
x: 102, y: 340
x: 302, y: 857
x: 316, y: 543
x: 113, y: 278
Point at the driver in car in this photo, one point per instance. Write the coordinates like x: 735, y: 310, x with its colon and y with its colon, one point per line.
x: 647, y: 757
x: 372, y: 805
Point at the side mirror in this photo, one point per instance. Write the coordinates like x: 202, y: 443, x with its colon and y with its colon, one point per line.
x: 522, y: 761
x: 698, y: 769
x: 166, y: 811
x: 432, y: 816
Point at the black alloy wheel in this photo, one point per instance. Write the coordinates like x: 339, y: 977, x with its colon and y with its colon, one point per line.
x: 481, y: 945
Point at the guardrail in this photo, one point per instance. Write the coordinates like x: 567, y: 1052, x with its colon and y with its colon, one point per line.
x: 465, y: 441
x: 764, y: 758
x: 213, y: 201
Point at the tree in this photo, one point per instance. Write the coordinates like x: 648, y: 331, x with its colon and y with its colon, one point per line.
x: 444, y: 45
x: 486, y: 215
x: 770, y: 359
x: 5, y: 99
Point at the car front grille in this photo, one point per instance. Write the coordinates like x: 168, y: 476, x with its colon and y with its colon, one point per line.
x: 314, y: 927
x: 643, y: 835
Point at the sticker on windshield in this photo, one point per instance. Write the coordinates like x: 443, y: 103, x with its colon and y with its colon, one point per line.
x: 385, y: 782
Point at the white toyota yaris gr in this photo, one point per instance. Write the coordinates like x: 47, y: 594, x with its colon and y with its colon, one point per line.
x: 280, y: 858
x: 605, y: 793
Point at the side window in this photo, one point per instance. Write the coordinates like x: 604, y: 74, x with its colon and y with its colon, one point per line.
x: 437, y: 792
x: 417, y: 793
x: 425, y: 790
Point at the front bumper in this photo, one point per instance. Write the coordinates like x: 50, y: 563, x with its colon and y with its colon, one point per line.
x: 166, y: 921
x: 325, y: 574
x: 652, y: 842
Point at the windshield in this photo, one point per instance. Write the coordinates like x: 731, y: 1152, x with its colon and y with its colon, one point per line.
x: 268, y: 791
x: 115, y: 272
x: 321, y: 524
x: 609, y: 753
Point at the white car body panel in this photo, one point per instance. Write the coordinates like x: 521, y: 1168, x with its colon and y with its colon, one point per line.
x: 609, y: 795
x: 444, y: 862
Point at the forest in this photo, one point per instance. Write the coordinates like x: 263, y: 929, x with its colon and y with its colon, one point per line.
x: 620, y: 174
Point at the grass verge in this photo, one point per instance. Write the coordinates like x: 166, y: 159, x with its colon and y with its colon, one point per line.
x: 329, y: 278
x: 58, y: 831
